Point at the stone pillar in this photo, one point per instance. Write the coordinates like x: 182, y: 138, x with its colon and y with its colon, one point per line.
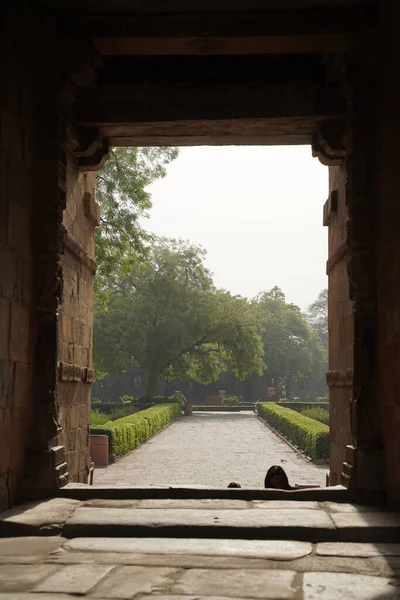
x: 388, y: 246
x: 367, y: 455
x: 46, y: 468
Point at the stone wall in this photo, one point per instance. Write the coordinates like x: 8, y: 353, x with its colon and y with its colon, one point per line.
x: 16, y: 266
x: 341, y: 335
x: 76, y: 320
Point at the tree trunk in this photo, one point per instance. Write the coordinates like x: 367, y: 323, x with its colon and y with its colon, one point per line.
x: 151, y: 385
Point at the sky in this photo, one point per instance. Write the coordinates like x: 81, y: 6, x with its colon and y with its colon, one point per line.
x: 257, y: 210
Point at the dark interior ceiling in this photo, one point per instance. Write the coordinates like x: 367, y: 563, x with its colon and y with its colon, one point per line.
x: 193, y: 6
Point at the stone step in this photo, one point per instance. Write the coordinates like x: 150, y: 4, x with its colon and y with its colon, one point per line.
x: 313, y: 525
x: 79, y: 491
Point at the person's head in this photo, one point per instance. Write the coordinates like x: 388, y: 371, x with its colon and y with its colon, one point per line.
x: 234, y: 485
x: 277, y: 478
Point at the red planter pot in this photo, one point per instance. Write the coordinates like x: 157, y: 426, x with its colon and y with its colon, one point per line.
x: 99, y: 450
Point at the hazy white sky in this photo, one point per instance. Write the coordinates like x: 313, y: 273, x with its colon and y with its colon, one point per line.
x: 256, y: 210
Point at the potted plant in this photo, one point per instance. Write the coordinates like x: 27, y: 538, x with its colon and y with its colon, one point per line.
x: 186, y: 407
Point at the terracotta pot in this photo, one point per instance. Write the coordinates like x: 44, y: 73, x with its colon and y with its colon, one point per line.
x: 99, y: 450
x: 188, y: 410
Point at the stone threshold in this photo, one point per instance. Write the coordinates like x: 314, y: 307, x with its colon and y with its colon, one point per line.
x: 80, y: 491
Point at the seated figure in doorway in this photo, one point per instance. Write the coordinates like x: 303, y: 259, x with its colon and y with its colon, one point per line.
x: 276, y: 478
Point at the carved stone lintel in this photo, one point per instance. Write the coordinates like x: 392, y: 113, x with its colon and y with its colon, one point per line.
x: 340, y: 378
x: 95, y: 161
x: 328, y: 143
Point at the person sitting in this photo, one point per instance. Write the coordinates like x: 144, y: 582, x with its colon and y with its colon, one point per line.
x: 277, y: 479
x: 234, y: 485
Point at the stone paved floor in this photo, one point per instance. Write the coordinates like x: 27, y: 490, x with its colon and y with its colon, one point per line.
x: 211, y: 449
x: 115, y: 549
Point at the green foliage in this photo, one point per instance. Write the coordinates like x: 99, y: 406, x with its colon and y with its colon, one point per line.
x: 292, y: 349
x: 307, y: 434
x: 203, y: 408
x: 317, y: 315
x: 302, y: 406
x: 317, y: 413
x: 168, y: 318
x: 123, y: 198
x: 127, y: 433
x: 98, y: 418
x: 230, y: 401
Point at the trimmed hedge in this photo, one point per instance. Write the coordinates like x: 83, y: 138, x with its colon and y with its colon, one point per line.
x: 127, y: 433
x: 303, y: 405
x: 109, y: 407
x: 307, y: 434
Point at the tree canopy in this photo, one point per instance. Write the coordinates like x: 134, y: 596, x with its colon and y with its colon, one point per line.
x: 292, y: 349
x: 123, y: 198
x: 168, y: 318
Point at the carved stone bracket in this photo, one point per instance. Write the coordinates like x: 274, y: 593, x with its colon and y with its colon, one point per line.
x: 328, y: 143
x: 340, y: 378
x: 75, y: 373
x: 95, y: 161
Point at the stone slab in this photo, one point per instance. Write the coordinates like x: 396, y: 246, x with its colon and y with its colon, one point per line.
x: 239, y: 583
x: 308, y: 525
x: 81, y: 491
x: 352, y: 549
x: 348, y: 508
x: 367, y: 527
x: 264, y: 549
x: 292, y: 504
x: 332, y: 586
x: 74, y: 579
x: 37, y: 518
x: 20, y: 578
x: 166, y: 504
x: 127, y: 582
x: 37, y: 547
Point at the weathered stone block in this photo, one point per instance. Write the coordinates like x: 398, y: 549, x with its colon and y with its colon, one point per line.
x: 5, y: 439
x: 331, y: 586
x: 21, y: 578
x: 240, y: 583
x: 5, y: 315
x: 23, y: 383
x: 8, y: 272
x: 74, y: 579
x: 127, y: 582
x: 19, y: 230
x: 7, y: 370
x: 19, y: 333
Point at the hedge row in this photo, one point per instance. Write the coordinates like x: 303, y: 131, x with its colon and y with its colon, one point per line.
x: 307, y: 434
x: 303, y: 405
x: 127, y: 433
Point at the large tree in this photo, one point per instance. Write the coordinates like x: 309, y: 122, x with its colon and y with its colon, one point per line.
x: 292, y: 349
x: 121, y: 191
x: 317, y: 315
x: 167, y: 317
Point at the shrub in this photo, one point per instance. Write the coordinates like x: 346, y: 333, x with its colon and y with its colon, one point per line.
x: 230, y: 401
x: 307, y: 434
x: 127, y: 433
x: 303, y: 405
x: 317, y: 413
x: 98, y: 418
